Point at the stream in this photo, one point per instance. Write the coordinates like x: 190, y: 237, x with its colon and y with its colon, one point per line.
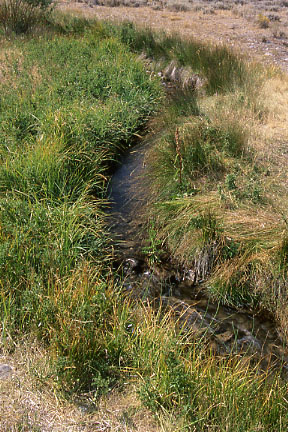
x: 227, y: 330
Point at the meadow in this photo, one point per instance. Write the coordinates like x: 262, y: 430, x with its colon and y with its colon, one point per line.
x: 74, y: 94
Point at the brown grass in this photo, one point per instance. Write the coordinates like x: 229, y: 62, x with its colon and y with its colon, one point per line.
x: 237, y: 26
x: 29, y: 400
x: 27, y: 396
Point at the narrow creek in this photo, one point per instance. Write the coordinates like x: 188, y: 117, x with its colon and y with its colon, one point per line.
x: 227, y: 330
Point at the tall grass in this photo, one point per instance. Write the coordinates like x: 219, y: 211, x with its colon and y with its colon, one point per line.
x: 182, y: 379
x: 222, y: 69
x: 69, y: 106
x: 20, y: 16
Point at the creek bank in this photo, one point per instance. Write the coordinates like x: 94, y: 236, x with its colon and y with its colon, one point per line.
x: 179, y: 289
x: 225, y: 329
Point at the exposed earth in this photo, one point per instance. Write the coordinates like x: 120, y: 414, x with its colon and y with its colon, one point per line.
x: 259, y: 29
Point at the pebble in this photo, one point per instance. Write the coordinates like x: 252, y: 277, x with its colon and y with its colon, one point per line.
x: 5, y: 371
x: 130, y: 265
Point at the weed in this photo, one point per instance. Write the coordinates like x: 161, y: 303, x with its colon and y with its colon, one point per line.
x: 230, y: 181
x: 263, y: 21
x: 154, y: 249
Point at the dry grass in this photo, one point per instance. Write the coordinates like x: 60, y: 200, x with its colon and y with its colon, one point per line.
x: 29, y: 400
x: 236, y: 26
x: 7, y: 54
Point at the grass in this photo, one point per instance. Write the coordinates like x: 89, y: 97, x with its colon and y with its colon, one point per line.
x: 216, y: 203
x: 65, y: 119
x: 20, y: 16
x: 72, y: 100
x: 205, y: 392
x: 222, y: 69
x: 178, y: 379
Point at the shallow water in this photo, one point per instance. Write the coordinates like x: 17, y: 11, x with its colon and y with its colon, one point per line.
x: 127, y: 201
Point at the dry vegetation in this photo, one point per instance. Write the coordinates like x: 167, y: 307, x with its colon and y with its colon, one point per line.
x: 30, y: 402
x: 237, y: 23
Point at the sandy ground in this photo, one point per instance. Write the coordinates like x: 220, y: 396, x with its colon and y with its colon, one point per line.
x: 238, y: 28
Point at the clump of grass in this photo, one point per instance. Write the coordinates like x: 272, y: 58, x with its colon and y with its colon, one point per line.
x: 222, y: 69
x: 193, y: 150
x: 20, y: 16
x: 283, y: 253
x: 263, y: 21
x: 182, y: 378
x: 66, y: 23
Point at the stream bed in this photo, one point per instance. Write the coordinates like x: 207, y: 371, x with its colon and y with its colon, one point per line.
x: 227, y: 330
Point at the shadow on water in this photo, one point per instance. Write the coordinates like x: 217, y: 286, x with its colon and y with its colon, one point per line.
x: 128, y: 199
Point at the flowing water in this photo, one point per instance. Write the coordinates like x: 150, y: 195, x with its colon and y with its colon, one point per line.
x: 228, y: 330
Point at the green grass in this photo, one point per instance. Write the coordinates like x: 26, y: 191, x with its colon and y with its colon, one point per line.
x: 222, y: 69
x: 69, y: 107
x: 184, y: 381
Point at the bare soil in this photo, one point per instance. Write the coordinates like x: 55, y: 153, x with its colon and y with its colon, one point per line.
x: 229, y: 22
x: 28, y: 401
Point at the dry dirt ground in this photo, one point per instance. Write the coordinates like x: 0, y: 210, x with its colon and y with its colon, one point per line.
x: 259, y: 28
x: 29, y: 402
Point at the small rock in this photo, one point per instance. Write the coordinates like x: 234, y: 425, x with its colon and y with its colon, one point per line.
x: 225, y: 337
x: 130, y: 265
x: 5, y: 370
x: 249, y: 344
x: 190, y: 275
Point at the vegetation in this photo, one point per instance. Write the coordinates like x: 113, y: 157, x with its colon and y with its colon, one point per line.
x: 72, y: 99
x: 20, y: 16
x: 212, y: 191
x: 65, y: 118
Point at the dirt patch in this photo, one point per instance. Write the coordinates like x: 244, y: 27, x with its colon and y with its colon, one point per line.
x: 239, y: 25
x: 29, y: 400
